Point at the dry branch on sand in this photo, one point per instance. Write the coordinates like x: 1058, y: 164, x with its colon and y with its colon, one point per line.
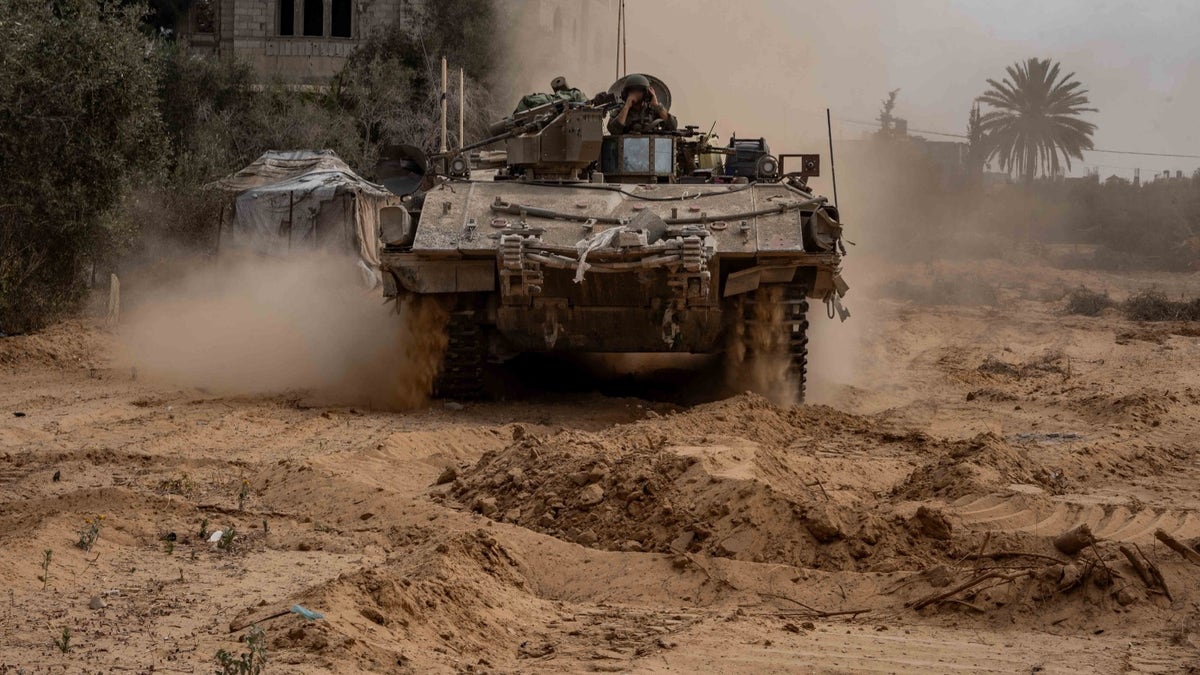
x: 1189, y: 554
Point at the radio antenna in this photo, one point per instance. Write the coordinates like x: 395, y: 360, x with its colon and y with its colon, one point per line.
x: 832, y: 168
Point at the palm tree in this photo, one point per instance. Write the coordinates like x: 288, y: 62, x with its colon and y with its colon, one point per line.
x: 1035, y: 119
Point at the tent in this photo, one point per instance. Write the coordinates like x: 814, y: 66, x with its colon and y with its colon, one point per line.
x: 302, y: 200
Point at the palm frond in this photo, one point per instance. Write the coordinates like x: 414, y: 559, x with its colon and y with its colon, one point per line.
x: 1033, y: 125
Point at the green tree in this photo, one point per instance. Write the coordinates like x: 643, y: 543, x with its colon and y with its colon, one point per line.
x: 976, y: 149
x: 78, y: 125
x: 391, y: 85
x: 1035, y: 119
x: 887, y: 121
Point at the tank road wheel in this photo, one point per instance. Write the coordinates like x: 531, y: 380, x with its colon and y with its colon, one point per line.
x: 461, y: 372
x: 768, y: 350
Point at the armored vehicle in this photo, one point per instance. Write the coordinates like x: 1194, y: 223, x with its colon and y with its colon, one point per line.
x: 573, y: 240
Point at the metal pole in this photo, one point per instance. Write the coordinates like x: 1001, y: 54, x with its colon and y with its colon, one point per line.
x: 462, y: 106
x: 444, y: 78
x: 832, y: 168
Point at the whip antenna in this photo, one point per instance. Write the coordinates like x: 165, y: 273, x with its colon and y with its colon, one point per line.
x: 832, y: 168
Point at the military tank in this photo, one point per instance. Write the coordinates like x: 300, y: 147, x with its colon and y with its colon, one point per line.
x: 571, y: 240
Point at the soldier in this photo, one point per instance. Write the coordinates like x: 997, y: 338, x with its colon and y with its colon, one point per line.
x: 641, y: 111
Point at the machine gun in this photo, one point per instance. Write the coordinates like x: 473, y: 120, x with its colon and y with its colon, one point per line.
x: 554, y: 140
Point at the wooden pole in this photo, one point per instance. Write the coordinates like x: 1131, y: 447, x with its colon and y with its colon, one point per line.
x: 114, y: 301
x: 462, y: 107
x: 220, y: 225
x: 291, y: 204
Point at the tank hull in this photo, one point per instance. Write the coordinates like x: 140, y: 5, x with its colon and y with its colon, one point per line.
x: 661, y: 263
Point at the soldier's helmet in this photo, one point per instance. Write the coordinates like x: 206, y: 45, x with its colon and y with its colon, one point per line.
x: 636, y: 81
x: 559, y: 83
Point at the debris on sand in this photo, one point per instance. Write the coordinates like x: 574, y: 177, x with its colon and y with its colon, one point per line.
x: 1075, y: 540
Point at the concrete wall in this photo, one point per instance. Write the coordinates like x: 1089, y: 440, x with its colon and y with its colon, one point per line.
x: 250, y: 30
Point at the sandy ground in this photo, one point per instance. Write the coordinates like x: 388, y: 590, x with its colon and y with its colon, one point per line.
x: 949, y: 445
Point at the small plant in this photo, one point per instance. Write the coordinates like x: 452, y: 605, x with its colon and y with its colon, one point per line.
x: 63, y: 641
x: 1087, y: 302
x: 243, y: 493
x: 182, y: 485
x: 46, y: 556
x: 170, y: 547
x: 204, y: 529
x: 251, y: 662
x: 89, y: 533
x: 227, y: 538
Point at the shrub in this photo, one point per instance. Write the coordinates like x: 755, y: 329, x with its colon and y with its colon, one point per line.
x: 1087, y: 302
x: 1153, y: 305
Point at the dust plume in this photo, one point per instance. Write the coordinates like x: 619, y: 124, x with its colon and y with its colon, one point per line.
x: 256, y: 326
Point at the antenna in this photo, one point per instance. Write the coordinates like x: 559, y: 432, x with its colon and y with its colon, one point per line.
x: 620, y: 34
x: 832, y: 168
x: 624, y: 38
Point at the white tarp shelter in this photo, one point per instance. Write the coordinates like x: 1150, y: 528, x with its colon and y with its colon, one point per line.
x: 288, y: 202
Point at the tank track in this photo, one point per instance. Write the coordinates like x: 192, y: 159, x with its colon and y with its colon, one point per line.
x: 461, y: 373
x: 784, y: 319
x: 795, y: 300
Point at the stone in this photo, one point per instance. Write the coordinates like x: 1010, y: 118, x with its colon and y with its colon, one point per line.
x: 823, y: 524
x: 97, y: 602
x: 932, y: 523
x: 587, y: 537
x: 598, y: 473
x: 736, y: 544
x: 1125, y: 597
x: 485, y: 505
x: 446, y: 476
x: 683, y: 541
x: 591, y: 495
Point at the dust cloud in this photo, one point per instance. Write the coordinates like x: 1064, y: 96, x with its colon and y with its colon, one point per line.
x: 259, y: 326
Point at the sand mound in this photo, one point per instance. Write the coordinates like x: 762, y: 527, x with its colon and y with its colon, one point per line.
x: 71, y: 344
x: 977, y: 465
x: 1141, y: 408
x: 459, y: 596
x: 684, y: 486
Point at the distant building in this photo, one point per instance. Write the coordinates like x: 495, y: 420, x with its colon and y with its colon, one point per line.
x: 297, y: 41
x: 306, y: 42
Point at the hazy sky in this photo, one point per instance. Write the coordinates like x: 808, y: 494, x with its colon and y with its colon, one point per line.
x: 772, y: 66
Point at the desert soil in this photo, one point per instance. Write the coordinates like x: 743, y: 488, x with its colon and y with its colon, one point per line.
x: 947, y: 447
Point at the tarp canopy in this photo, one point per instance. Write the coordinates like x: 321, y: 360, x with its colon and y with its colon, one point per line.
x: 297, y: 200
